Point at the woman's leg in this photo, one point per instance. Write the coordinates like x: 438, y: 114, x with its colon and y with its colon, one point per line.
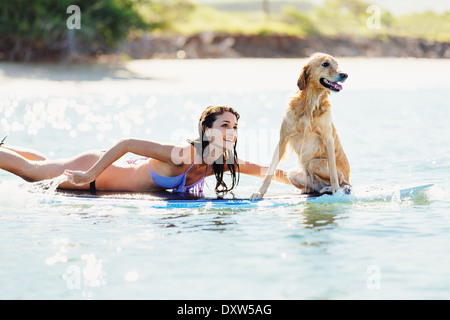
x: 26, y: 153
x: 37, y: 170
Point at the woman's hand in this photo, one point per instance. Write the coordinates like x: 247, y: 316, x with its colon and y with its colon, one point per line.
x: 78, y: 178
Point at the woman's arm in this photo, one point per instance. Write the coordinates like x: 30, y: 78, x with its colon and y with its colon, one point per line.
x: 163, y: 152
x: 253, y: 169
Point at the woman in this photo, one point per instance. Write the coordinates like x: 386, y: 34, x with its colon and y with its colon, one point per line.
x: 180, y: 168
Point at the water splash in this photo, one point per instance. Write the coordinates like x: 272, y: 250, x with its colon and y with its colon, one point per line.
x: 372, y: 193
x: 438, y: 194
x: 48, y: 186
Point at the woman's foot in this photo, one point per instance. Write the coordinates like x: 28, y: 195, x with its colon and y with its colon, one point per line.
x: 2, y: 142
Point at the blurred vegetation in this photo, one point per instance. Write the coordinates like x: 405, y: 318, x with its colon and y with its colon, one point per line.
x: 301, y: 18
x: 31, y: 30
x: 427, y: 25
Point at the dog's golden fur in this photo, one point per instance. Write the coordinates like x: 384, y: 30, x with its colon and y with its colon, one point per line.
x: 308, y: 127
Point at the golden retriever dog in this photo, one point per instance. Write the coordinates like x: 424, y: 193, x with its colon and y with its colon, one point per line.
x: 307, y: 126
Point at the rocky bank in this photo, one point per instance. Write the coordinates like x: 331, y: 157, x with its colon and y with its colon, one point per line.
x: 219, y: 45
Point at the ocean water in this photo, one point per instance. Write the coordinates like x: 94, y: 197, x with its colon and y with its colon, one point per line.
x: 393, y: 119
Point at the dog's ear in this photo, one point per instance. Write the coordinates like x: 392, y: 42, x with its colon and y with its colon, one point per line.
x: 303, y: 79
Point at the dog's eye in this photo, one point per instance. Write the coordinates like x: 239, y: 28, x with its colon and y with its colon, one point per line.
x: 326, y: 64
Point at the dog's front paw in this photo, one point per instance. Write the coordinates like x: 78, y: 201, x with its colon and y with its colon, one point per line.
x: 256, y: 196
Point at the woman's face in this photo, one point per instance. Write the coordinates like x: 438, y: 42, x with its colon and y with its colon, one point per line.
x: 223, y: 133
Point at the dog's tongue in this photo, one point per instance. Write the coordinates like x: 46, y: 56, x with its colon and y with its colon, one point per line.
x: 336, y: 86
x: 333, y: 85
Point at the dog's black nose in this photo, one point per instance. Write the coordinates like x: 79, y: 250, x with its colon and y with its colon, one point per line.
x: 343, y: 75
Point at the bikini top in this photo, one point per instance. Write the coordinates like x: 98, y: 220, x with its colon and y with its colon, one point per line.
x: 178, y: 183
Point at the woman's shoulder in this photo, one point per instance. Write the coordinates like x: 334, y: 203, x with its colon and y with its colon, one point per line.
x: 184, y: 153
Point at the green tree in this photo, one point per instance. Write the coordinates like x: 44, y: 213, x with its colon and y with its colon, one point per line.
x: 37, y: 29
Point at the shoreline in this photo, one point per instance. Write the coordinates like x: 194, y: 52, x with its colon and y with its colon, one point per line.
x: 190, y: 76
